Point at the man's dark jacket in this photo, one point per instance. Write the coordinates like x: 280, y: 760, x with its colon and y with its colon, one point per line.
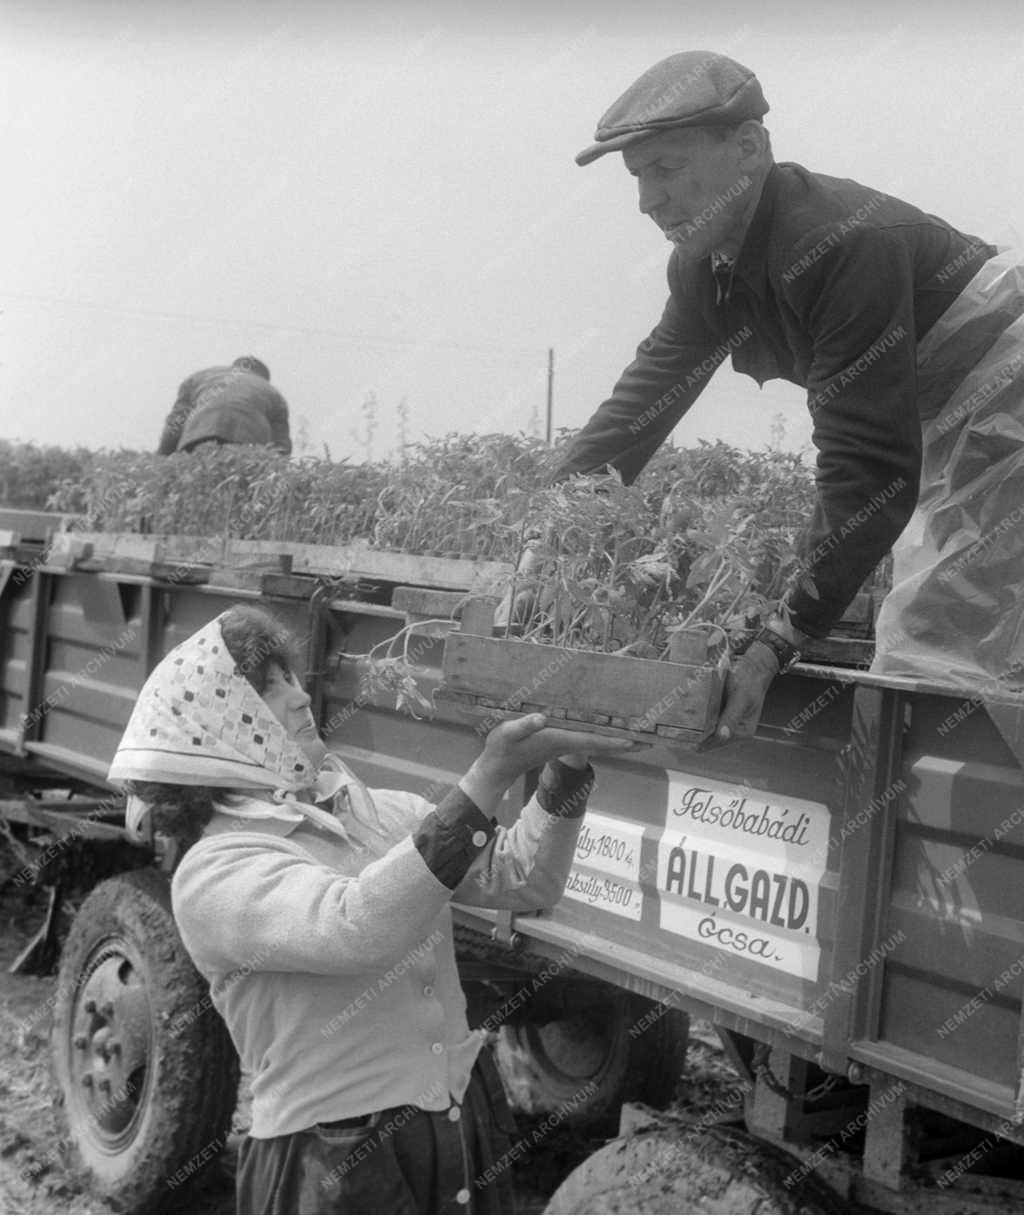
x: 226, y: 405
x: 832, y: 289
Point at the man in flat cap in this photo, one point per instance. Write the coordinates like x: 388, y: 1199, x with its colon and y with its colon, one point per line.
x: 887, y: 316
x: 235, y: 404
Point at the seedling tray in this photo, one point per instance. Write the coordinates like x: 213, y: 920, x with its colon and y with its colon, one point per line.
x: 607, y: 693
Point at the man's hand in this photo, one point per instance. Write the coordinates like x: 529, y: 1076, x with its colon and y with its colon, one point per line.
x: 745, y: 689
x: 514, y: 747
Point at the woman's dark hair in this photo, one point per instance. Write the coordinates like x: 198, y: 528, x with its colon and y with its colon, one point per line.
x: 249, y: 362
x: 258, y: 643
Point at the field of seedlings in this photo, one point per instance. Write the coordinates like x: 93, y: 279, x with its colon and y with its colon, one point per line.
x: 704, y: 535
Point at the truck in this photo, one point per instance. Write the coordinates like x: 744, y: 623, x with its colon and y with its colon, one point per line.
x: 841, y: 896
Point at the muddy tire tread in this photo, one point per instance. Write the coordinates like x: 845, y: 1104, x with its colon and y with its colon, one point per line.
x: 195, y: 1087
x: 714, y: 1170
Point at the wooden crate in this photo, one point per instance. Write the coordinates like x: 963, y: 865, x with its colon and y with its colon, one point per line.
x: 496, y: 677
x: 194, y: 558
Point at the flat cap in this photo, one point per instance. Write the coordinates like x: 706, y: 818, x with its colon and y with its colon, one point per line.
x: 691, y: 89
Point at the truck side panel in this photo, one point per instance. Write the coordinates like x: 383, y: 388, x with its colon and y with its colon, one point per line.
x: 846, y: 884
x: 951, y: 997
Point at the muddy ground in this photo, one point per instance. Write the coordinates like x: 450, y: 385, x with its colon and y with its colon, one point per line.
x: 34, y: 1180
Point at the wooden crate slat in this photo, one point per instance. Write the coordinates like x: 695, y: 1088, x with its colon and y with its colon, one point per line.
x: 360, y: 561
x: 490, y: 715
x: 426, y: 601
x: 35, y: 526
x: 189, y: 550
x: 586, y: 684
x: 186, y: 573
x: 289, y: 586
x: 845, y: 651
x: 270, y: 562
x: 445, y: 573
x: 122, y: 550
x: 244, y: 580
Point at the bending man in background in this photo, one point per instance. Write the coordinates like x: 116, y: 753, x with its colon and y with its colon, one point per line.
x: 235, y: 404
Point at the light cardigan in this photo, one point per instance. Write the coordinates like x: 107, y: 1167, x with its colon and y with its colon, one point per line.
x: 334, y: 968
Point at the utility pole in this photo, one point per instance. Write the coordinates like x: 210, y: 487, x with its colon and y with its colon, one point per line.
x: 551, y: 395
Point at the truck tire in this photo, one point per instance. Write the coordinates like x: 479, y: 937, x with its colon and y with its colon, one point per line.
x: 714, y: 1170
x: 586, y: 1063
x: 146, y: 1075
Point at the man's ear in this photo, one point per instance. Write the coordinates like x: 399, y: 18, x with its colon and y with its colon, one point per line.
x: 753, y: 142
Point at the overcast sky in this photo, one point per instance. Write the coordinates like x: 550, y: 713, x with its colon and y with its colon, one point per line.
x: 382, y: 196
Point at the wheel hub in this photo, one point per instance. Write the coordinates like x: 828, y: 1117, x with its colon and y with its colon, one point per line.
x: 575, y: 1048
x: 112, y: 1041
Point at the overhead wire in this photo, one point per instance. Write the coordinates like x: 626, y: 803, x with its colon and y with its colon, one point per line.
x: 355, y: 340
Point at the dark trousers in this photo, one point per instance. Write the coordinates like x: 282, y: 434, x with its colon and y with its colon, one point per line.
x: 400, y: 1161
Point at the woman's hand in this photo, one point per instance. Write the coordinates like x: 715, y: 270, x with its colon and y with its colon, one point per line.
x: 514, y: 747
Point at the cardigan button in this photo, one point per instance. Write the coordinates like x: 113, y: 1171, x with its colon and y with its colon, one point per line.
x: 462, y: 1198
x: 454, y: 1113
x: 437, y: 1048
x: 479, y: 839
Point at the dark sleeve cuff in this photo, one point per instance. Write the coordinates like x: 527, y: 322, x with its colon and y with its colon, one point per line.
x: 563, y: 791
x: 452, y: 836
x: 808, y: 612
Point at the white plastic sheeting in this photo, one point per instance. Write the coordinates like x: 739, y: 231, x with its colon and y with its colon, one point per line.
x: 955, y: 615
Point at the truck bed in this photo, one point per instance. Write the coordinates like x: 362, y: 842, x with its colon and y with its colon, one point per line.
x: 848, y: 885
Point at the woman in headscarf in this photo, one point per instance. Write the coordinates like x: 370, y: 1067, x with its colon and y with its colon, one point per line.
x: 319, y: 912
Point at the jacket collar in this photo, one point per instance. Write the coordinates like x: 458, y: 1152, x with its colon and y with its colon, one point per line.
x: 282, y: 814
x: 752, y: 260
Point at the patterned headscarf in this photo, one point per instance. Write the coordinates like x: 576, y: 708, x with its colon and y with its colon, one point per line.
x: 199, y: 721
